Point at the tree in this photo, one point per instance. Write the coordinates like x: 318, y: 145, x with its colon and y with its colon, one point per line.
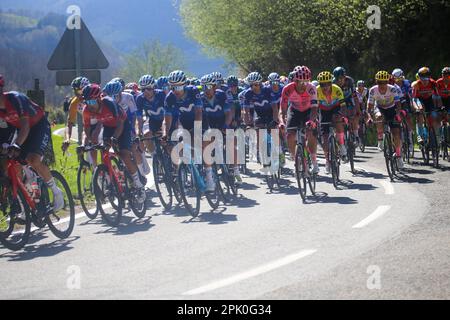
x: 267, y: 35
x: 154, y: 58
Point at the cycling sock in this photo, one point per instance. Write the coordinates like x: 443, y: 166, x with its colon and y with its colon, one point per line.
x: 340, y: 138
x: 52, y: 185
x: 136, y: 180
x: 314, y: 157
x: 141, y: 169
x: 398, y: 152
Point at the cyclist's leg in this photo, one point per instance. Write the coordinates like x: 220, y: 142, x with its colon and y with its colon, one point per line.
x: 380, y: 128
x: 294, y: 119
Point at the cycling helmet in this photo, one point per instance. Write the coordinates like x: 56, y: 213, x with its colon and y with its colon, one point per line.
x: 113, y: 88
x: 424, y: 73
x: 177, y: 78
x: 2, y: 81
x: 315, y: 83
x: 208, y: 79
x: 382, y: 76
x: 218, y: 76
x: 303, y: 73
x: 146, y: 81
x: 188, y: 82
x: 254, y: 77
x: 283, y: 80
x: 398, y: 73
x: 79, y: 83
x: 122, y: 82
x: 91, y: 92
x: 232, y: 81
x: 360, y: 83
x: 445, y: 71
x: 339, y: 72
x: 324, y: 77
x: 132, y: 86
x: 273, y: 77
x: 194, y: 81
x: 162, y: 82
x: 291, y: 76
x: 297, y: 68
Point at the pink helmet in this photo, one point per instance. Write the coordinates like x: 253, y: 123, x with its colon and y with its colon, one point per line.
x: 302, y: 73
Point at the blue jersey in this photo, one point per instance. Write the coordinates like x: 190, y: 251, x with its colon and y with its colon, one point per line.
x: 215, y: 109
x: 349, y: 91
x: 184, y: 108
x: 262, y: 102
x: 406, y: 90
x: 276, y: 96
x: 154, y: 109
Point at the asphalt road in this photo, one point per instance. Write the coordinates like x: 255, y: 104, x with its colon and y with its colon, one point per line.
x: 263, y: 246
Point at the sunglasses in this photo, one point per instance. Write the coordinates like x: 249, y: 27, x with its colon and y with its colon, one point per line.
x: 166, y: 88
x: 326, y: 84
x: 208, y: 87
x: 275, y: 83
x: 382, y: 82
x: 178, y: 88
x: 91, y: 102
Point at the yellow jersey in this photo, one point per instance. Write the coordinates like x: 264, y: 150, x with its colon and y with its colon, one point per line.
x: 329, y: 102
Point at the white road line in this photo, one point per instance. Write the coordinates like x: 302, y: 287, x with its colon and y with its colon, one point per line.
x: 251, y: 273
x: 380, y: 211
x: 388, y: 187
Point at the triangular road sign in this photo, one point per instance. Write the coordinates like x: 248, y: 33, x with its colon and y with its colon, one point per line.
x: 91, y: 56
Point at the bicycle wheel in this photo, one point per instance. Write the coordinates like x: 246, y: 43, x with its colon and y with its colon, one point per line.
x: 132, y: 195
x: 445, y: 142
x: 405, y: 145
x: 60, y: 222
x: 162, y: 184
x: 189, y: 192
x: 213, y: 198
x: 312, y: 179
x: 434, y: 147
x: 109, y: 201
x: 300, y: 171
x: 14, y: 232
x: 362, y: 134
x: 334, y: 160
x: 350, y: 141
x: 223, y: 176
x: 231, y: 181
x: 388, y: 155
x: 85, y: 191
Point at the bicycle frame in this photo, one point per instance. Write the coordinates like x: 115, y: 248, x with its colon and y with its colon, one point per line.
x: 16, y: 184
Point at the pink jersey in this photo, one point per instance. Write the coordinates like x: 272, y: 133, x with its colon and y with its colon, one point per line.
x: 299, y: 101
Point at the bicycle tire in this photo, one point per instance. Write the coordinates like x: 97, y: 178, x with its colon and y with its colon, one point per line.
x: 388, y: 155
x: 300, y: 172
x: 69, y: 208
x: 334, y: 161
x: 82, y: 191
x: 186, y: 174
x: 101, y: 172
x: 161, y: 179
x: 434, y: 146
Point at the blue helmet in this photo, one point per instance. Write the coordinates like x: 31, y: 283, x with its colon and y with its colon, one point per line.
x: 113, y: 88
x: 162, y: 82
x: 208, y: 79
x: 232, y: 81
x: 177, y: 77
x: 274, y: 77
x: 146, y: 81
x: 339, y: 72
x: 122, y: 82
x: 195, y: 82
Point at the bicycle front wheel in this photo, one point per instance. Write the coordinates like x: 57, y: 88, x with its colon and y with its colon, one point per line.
x: 15, y: 218
x: 162, y: 184
x: 300, y: 172
x: 86, y: 191
x: 334, y: 161
x: 189, y: 192
x: 62, y: 221
x: 389, y: 156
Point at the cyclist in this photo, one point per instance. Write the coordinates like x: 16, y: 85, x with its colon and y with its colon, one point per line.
x: 353, y: 108
x: 331, y: 100
x: 117, y: 130
x: 75, y: 105
x: 132, y: 88
x: 405, y: 100
x: 301, y: 96
x: 151, y: 103
x: 233, y: 99
x: 220, y: 81
x: 443, y: 89
x: 33, y: 135
x: 386, y: 98
x: 425, y: 99
x: 276, y: 89
x: 126, y: 101
x: 163, y: 84
x: 259, y: 99
x: 186, y: 102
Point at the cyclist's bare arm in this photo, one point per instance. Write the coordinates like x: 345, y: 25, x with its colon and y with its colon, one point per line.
x: 24, y: 131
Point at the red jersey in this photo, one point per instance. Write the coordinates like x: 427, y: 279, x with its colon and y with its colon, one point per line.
x: 299, y: 101
x: 109, y: 114
x: 443, y: 90
x: 18, y: 105
x: 419, y: 90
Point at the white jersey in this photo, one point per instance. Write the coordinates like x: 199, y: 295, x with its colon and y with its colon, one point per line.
x: 362, y: 95
x: 127, y: 102
x: 384, y: 100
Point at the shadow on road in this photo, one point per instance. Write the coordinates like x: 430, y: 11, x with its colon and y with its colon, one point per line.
x: 31, y: 252
x: 128, y: 225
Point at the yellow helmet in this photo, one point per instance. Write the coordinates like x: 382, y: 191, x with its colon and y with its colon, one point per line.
x: 382, y: 76
x: 324, y: 77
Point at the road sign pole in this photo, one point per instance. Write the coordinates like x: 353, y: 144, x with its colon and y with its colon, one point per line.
x: 78, y: 74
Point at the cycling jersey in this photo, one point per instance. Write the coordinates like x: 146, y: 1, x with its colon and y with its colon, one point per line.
x: 276, y: 96
x: 109, y: 114
x: 153, y: 109
x: 349, y: 91
x: 215, y: 109
x: 405, y: 86
x: 127, y: 103
x: 331, y: 101
x: 184, y: 108
x: 18, y: 105
x: 385, y: 100
x: 76, y: 105
x: 443, y: 90
x: 362, y: 96
x: 261, y: 102
x: 420, y: 91
x: 234, y: 100
x: 299, y: 101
